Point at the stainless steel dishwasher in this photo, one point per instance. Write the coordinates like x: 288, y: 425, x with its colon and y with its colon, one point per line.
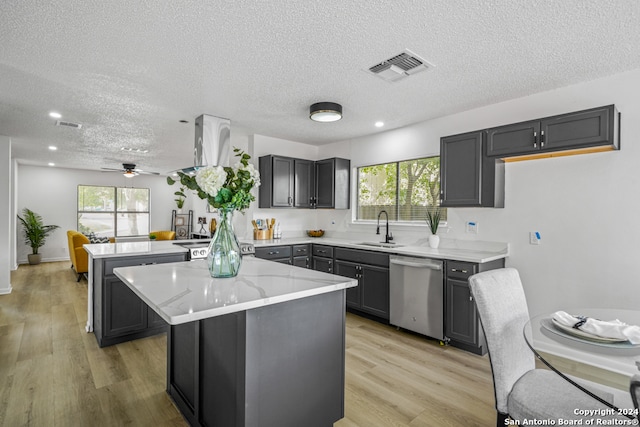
x: 416, y: 298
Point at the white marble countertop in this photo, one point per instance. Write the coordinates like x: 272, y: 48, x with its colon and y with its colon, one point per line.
x: 184, y: 291
x: 111, y: 250
x: 455, y: 250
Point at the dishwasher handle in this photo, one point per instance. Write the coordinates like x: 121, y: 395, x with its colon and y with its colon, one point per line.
x: 429, y: 265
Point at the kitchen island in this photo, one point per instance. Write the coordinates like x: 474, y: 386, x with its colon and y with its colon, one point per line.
x: 114, y: 313
x: 264, y: 348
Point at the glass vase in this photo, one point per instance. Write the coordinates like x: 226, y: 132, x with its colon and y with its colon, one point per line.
x: 224, y: 257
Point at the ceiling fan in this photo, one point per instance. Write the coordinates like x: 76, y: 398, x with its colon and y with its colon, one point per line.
x: 129, y: 170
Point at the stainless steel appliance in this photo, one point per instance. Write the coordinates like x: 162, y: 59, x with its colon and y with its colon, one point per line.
x: 417, y: 295
x: 200, y: 249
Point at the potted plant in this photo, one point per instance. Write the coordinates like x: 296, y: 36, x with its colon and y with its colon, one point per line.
x: 433, y: 221
x: 35, y: 233
x: 152, y: 236
x: 180, y: 193
x: 181, y: 198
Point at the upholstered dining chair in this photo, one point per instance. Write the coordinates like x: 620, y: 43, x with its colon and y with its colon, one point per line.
x: 521, y: 390
x: 635, y: 393
x: 164, y: 235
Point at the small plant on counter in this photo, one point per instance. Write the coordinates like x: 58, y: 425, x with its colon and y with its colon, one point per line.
x: 152, y: 236
x: 433, y: 219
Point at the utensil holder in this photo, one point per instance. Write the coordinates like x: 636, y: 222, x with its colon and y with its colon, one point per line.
x: 263, y: 234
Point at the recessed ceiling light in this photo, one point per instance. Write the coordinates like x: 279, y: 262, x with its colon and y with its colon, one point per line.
x: 55, y: 115
x: 53, y: 148
x: 379, y: 124
x: 133, y: 150
x: 52, y: 164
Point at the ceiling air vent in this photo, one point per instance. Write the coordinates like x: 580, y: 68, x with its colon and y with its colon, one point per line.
x: 69, y: 124
x: 400, y: 66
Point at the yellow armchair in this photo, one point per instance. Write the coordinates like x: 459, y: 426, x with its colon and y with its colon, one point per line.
x: 164, y: 235
x: 79, y: 257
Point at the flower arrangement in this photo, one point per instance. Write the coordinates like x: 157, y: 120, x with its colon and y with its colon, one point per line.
x: 225, y: 188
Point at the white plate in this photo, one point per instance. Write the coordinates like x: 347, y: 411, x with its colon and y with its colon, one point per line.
x: 585, y: 335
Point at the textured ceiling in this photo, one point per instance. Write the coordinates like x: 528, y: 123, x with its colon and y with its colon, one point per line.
x: 130, y: 70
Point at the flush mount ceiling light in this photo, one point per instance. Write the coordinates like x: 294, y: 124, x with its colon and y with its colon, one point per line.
x: 379, y: 124
x: 325, y: 112
x: 55, y: 115
x: 129, y: 174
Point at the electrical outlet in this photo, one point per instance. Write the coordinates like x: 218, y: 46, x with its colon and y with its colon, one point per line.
x: 472, y: 227
x: 534, y: 238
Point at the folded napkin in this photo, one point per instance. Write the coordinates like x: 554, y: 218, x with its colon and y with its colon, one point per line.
x: 607, y: 329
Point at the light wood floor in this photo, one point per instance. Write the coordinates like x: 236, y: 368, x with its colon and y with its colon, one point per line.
x: 52, y: 373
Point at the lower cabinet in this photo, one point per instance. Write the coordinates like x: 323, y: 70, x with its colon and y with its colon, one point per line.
x: 119, y: 315
x: 322, y: 259
x: 301, y: 255
x: 462, y: 324
x: 298, y: 255
x: 280, y: 254
x: 371, y: 269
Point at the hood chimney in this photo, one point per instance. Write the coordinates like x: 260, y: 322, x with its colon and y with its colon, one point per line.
x: 213, y: 141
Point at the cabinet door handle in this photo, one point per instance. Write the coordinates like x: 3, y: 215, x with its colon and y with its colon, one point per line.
x: 301, y: 250
x: 470, y: 298
x: 329, y: 270
x: 290, y: 200
x: 274, y: 253
x: 321, y: 252
x: 535, y: 139
x: 453, y: 270
x: 330, y: 262
x: 541, y: 138
x: 148, y: 263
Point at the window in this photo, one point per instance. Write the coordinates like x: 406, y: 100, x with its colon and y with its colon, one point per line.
x: 404, y: 189
x: 113, y: 211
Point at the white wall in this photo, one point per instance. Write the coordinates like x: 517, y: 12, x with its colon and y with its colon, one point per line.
x: 586, y: 207
x: 6, y: 236
x: 53, y: 193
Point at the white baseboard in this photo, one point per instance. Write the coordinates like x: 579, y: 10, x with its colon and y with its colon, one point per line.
x: 26, y: 261
x: 6, y: 291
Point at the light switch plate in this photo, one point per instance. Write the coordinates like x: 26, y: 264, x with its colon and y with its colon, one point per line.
x: 534, y: 238
x: 472, y: 227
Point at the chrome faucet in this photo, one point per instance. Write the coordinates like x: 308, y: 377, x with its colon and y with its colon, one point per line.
x: 388, y: 236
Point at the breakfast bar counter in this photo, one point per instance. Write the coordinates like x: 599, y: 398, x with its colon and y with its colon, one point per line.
x: 264, y: 348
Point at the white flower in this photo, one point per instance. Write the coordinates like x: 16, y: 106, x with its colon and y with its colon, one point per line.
x: 253, y: 173
x: 211, y: 179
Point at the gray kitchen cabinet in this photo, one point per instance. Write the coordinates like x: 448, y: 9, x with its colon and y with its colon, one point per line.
x: 300, y: 183
x: 468, y: 178
x: 462, y: 324
x: 371, y: 269
x: 275, y: 253
x: 596, y: 127
x: 322, y: 258
x: 277, y: 182
x: 119, y: 315
x: 304, y: 183
x: 332, y: 183
x: 301, y: 255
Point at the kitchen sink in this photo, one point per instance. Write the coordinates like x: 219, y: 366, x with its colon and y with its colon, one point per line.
x: 380, y: 244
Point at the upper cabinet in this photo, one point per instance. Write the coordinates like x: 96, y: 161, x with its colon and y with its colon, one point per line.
x: 304, y: 179
x: 591, y: 130
x: 332, y: 183
x: 468, y: 178
x: 300, y: 183
x: 276, y: 176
